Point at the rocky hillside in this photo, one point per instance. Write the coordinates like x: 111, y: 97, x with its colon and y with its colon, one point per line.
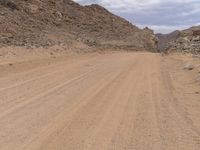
x: 51, y: 22
x: 188, y: 41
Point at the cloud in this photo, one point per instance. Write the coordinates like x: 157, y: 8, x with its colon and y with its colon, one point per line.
x: 122, y: 5
x: 135, y: 5
x: 164, y: 28
x: 162, y: 15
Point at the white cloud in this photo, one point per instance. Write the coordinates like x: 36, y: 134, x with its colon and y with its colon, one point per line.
x: 135, y: 5
x: 123, y: 5
x: 195, y: 9
x: 161, y: 15
x: 164, y: 28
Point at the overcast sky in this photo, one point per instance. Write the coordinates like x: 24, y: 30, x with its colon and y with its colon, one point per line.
x: 161, y: 15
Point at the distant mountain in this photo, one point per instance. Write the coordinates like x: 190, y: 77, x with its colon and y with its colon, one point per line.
x: 165, y: 39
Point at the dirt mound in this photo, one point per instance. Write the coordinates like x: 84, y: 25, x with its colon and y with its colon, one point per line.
x: 50, y: 22
x: 188, y: 41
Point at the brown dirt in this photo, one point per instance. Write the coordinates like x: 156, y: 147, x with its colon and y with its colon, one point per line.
x: 108, y: 101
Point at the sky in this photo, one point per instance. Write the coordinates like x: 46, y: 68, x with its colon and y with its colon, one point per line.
x: 163, y: 16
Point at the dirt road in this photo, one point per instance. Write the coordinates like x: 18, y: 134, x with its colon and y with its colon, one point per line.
x: 118, y: 101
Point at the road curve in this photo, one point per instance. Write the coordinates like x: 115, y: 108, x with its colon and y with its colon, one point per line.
x: 117, y: 101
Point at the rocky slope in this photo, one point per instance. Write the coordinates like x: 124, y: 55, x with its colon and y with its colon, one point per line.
x: 188, y: 41
x: 50, y: 22
x: 164, y: 39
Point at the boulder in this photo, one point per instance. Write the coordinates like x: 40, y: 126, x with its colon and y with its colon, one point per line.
x: 189, y: 66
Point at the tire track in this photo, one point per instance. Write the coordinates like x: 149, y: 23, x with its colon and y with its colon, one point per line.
x: 44, y: 94
x: 58, y: 68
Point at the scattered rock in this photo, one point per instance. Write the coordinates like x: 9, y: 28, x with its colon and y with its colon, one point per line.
x: 9, y: 4
x: 10, y: 64
x: 188, y: 41
x: 2, y: 13
x: 195, y: 56
x: 189, y: 66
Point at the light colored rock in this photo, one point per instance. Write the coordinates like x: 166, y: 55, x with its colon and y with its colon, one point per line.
x: 189, y: 66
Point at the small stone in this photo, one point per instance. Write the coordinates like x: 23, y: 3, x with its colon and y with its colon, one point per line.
x: 189, y: 66
x: 10, y: 64
x: 2, y: 13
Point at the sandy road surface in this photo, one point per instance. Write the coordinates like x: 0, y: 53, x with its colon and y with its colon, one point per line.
x: 119, y: 101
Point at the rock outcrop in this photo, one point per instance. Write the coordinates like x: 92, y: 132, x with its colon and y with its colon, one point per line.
x: 188, y: 41
x: 51, y: 22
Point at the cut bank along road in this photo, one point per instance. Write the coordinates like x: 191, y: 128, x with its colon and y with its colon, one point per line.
x: 107, y: 102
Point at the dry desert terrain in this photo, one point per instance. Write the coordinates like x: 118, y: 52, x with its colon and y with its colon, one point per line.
x: 110, y: 101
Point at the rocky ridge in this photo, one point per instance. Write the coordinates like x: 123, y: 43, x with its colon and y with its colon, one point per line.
x: 188, y: 41
x: 49, y: 22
